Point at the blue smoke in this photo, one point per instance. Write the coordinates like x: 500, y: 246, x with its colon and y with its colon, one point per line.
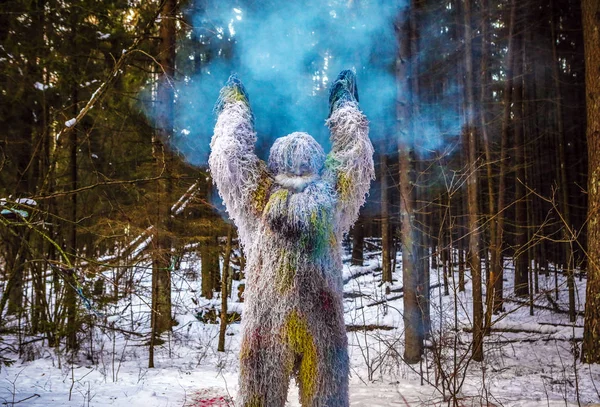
x: 287, y: 54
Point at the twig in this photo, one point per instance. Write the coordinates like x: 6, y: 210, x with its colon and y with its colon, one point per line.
x: 559, y: 311
x: 528, y: 340
x: 559, y: 324
x: 20, y: 401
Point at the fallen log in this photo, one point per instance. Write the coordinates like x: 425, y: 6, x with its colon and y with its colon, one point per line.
x: 370, y: 327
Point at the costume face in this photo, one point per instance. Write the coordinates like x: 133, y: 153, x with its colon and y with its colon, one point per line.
x: 296, y: 160
x: 296, y: 154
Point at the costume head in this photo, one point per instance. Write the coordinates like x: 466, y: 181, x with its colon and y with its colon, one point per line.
x: 297, y: 154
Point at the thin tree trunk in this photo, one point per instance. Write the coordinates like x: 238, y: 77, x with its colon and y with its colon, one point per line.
x: 444, y: 242
x: 462, y: 204
x: 498, y: 267
x: 70, y: 297
x: 205, y: 271
x: 534, y: 126
x: 530, y: 142
x: 483, y: 101
x: 472, y: 191
x: 521, y: 287
x: 209, y: 257
x: 224, y: 294
x: 358, y: 241
x: 419, y: 223
x: 40, y: 309
x: 562, y: 169
x: 423, y: 260
x: 215, y: 264
x: 386, y: 263
x: 162, y: 257
x: 461, y: 249
x: 15, y: 265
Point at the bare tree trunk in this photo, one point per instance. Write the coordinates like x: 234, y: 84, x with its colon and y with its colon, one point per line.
x: 162, y: 261
x: 423, y: 273
x: 461, y: 246
x: 521, y: 267
x: 562, y: 169
x: 15, y: 266
x: 498, y: 267
x: 483, y: 100
x: 412, y: 311
x: 224, y: 294
x: 472, y: 191
x: 413, y: 348
x: 591, y: 32
x: 528, y: 132
x: 358, y: 241
x: 419, y: 228
x: 386, y: 263
x: 533, y: 133
x: 70, y: 297
x: 209, y: 257
x: 443, y: 242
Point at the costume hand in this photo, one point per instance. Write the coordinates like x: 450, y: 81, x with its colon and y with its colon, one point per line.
x: 342, y: 90
x: 232, y: 92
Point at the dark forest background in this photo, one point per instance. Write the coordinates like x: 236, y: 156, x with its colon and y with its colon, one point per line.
x: 93, y: 160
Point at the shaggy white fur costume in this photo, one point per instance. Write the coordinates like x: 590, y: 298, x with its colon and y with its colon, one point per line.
x: 291, y: 215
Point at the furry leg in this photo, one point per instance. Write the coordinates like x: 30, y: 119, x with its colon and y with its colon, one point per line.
x: 332, y: 387
x: 263, y: 379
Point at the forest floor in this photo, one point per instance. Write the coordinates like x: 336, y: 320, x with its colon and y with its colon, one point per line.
x: 530, y: 360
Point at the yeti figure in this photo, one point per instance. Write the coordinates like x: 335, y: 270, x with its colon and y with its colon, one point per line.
x: 291, y: 214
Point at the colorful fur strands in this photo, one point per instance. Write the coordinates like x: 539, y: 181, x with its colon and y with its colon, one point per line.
x: 291, y: 215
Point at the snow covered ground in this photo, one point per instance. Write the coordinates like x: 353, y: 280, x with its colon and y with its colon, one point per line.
x: 529, y: 360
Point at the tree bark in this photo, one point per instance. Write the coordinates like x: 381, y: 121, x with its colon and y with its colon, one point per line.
x: 483, y: 101
x: 224, y: 293
x: 71, y: 327
x: 209, y: 257
x: 591, y: 32
x: 419, y: 222
x: 358, y: 241
x: 531, y: 141
x: 15, y: 265
x: 444, y: 240
x: 498, y: 266
x: 162, y: 257
x: 521, y: 287
x: 413, y: 318
x: 562, y: 172
x: 472, y: 190
x: 386, y: 263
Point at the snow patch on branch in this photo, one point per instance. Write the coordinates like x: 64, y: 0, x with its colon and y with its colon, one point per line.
x: 40, y: 86
x: 102, y: 36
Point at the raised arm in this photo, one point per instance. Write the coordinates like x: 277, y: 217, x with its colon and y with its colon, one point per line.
x: 349, y: 165
x: 241, y: 177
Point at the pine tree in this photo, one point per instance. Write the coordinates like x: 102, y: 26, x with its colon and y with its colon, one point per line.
x: 591, y: 31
